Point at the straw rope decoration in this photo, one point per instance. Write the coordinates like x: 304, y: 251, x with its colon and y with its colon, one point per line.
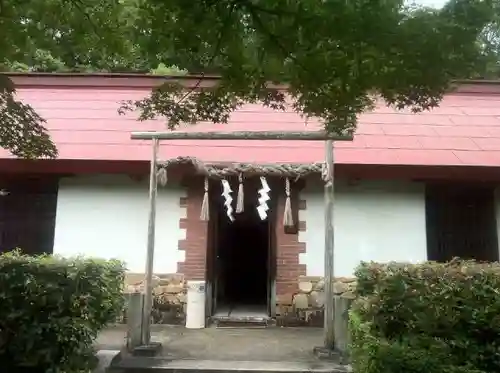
x: 295, y: 171
x: 162, y: 176
x: 205, y: 209
x: 327, y: 174
x: 287, y: 214
x: 286, y: 170
x: 240, y: 199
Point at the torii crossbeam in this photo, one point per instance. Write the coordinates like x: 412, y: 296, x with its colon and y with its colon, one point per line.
x: 329, y: 138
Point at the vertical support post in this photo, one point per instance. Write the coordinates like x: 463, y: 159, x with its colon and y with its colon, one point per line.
x: 329, y: 323
x: 148, y: 296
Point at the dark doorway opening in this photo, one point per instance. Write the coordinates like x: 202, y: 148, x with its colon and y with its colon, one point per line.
x: 241, y: 257
x: 461, y: 222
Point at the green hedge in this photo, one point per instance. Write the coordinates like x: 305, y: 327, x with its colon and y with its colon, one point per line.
x: 51, y: 310
x: 426, y: 318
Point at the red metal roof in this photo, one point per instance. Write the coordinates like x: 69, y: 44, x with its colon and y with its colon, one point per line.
x: 85, y: 125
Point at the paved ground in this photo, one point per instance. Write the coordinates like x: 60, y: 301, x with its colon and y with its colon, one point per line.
x: 270, y: 344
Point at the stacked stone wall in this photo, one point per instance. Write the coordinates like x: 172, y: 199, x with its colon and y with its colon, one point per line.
x: 304, y: 307
x: 169, y: 296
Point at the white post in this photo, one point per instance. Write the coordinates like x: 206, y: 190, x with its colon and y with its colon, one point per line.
x: 329, y: 323
x: 148, y: 296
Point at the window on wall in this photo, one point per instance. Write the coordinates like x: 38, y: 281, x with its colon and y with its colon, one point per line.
x: 27, y: 214
x: 461, y: 222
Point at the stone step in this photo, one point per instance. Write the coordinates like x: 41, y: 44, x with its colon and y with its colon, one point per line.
x: 127, y: 364
x: 244, y: 324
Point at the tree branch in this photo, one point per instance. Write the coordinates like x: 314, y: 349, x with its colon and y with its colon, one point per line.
x: 258, y: 8
x: 255, y: 17
x: 214, y: 54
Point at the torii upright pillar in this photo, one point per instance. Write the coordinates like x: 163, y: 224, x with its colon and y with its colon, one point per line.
x: 329, y: 138
x: 329, y: 312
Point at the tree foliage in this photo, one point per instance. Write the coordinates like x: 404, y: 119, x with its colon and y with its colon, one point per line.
x: 21, y: 128
x: 335, y: 56
x: 489, y: 40
x: 426, y: 318
x: 59, y: 36
x: 53, y: 309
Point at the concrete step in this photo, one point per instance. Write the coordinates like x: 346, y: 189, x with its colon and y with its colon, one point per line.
x: 105, y: 358
x: 132, y: 364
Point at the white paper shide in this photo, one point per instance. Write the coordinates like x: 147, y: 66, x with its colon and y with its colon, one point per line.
x: 228, y: 200
x: 262, y: 208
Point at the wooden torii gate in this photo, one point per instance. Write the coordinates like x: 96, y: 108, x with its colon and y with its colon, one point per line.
x: 329, y: 138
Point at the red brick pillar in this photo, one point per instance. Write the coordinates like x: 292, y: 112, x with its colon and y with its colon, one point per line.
x: 288, y: 249
x: 195, y: 244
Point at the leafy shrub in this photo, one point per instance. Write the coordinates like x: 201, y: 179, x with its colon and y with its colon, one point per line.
x: 427, y: 318
x: 51, y: 310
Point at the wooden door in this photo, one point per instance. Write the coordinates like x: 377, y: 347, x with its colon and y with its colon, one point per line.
x: 271, y: 283
x: 216, y: 263
x: 271, y: 251
x: 211, y: 259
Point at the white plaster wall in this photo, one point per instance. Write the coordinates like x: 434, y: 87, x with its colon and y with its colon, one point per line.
x: 106, y: 216
x: 373, y: 220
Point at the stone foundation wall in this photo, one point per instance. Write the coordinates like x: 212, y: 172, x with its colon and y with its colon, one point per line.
x: 306, y: 306
x: 169, y: 296
x: 301, y: 308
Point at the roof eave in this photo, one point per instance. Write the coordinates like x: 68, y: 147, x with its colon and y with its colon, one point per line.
x: 145, y: 81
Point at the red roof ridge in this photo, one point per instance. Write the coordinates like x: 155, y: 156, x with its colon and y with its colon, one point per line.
x: 145, y: 81
x: 108, y: 75
x: 103, y: 80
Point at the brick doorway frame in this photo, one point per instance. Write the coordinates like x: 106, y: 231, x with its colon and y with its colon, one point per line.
x: 212, y: 242
x: 287, y: 247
